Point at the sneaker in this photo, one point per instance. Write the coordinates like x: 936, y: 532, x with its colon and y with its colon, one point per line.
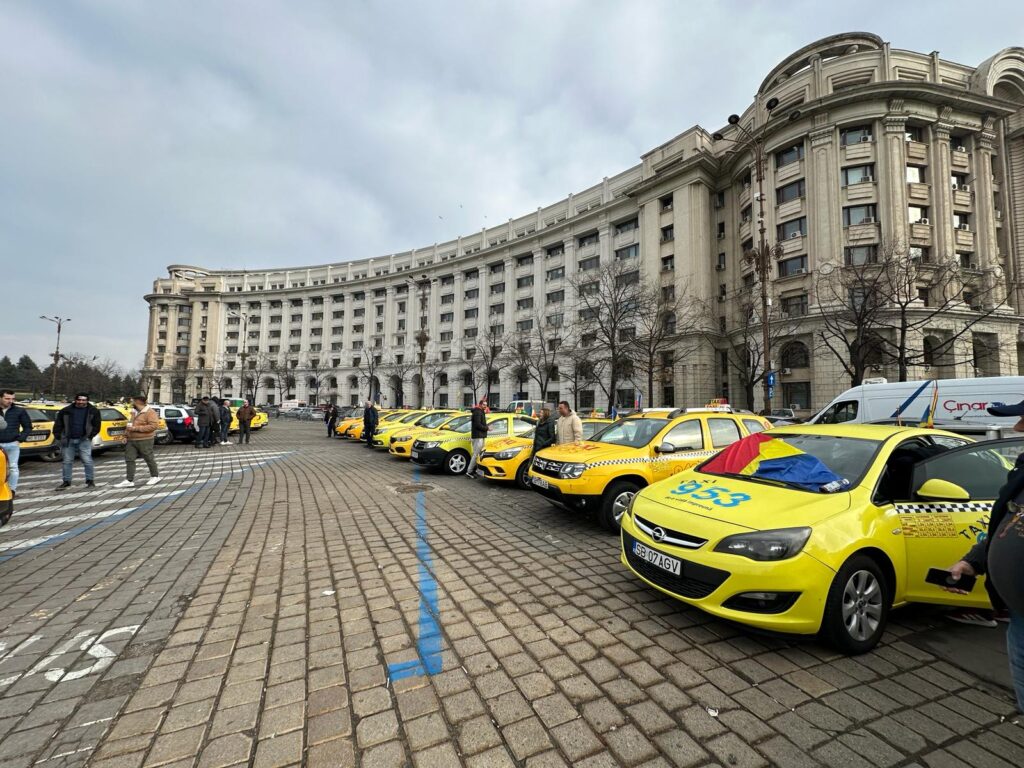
x: 125, y: 484
x: 225, y: 442
x: 971, y: 616
x: 63, y: 485
x: 153, y: 480
x: 1002, y: 616
x: 90, y: 483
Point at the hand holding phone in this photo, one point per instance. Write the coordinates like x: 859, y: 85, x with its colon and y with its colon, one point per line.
x: 948, y: 581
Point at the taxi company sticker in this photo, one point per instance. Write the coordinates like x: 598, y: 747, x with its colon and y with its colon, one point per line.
x: 937, y: 526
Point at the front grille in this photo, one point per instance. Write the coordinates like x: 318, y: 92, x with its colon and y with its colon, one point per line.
x: 547, y: 467
x: 668, y: 536
x: 695, y: 581
x: 418, y: 445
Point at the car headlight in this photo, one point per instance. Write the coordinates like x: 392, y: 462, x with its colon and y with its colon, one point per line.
x: 508, y: 453
x: 572, y: 471
x: 779, y: 544
x: 431, y: 444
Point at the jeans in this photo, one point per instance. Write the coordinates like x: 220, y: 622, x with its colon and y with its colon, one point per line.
x: 1015, y: 650
x: 13, y: 451
x: 81, y: 446
x: 244, y: 430
x: 203, y: 441
x: 135, y: 448
x: 478, y: 448
x: 225, y: 427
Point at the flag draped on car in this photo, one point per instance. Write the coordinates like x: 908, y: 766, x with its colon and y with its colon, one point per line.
x: 772, y: 458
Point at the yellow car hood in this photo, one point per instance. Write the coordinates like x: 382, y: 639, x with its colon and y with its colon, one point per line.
x: 745, y: 503
x: 504, y: 443
x: 588, y: 452
x: 441, y: 435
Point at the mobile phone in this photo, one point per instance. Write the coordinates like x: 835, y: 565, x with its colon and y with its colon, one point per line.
x: 942, y: 578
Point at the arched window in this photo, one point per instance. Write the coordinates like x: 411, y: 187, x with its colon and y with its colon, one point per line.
x: 795, y: 355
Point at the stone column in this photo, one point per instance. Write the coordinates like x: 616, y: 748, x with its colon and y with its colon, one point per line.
x: 985, y: 243
x: 823, y: 205
x: 942, y: 190
x: 893, y: 186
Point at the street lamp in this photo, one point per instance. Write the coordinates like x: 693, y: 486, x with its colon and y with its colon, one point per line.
x: 243, y: 340
x: 760, y: 255
x: 59, y: 322
x: 422, y: 336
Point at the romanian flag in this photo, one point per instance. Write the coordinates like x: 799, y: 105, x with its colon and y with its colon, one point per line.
x: 761, y: 455
x: 928, y: 420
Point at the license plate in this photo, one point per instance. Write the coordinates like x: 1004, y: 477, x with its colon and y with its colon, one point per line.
x: 656, y: 558
x: 35, y: 438
x: 540, y: 482
x: 415, y: 454
x: 117, y: 431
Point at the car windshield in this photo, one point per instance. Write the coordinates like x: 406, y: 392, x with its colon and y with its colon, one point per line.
x: 460, y: 424
x: 357, y: 413
x: 847, y: 457
x: 432, y: 420
x: 410, y: 417
x: 37, y: 416
x: 633, y: 433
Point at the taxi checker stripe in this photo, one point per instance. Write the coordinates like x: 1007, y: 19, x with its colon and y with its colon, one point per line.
x: 945, y: 506
x: 645, y: 460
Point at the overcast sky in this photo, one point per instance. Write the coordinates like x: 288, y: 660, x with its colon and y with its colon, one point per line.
x: 134, y: 135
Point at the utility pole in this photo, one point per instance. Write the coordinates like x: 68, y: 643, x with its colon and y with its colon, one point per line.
x: 59, y: 322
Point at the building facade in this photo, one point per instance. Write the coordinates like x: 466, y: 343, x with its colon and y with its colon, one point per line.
x: 868, y: 150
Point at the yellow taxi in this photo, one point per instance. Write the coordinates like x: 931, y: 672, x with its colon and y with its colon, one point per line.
x: 819, y: 529
x: 39, y: 442
x: 605, y: 472
x: 343, y: 425
x: 449, y: 449
x: 400, y: 442
x: 416, y: 419
x: 355, y: 431
x: 260, y: 420
x: 508, y: 459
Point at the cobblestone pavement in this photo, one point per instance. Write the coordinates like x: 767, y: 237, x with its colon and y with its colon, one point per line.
x: 301, y: 601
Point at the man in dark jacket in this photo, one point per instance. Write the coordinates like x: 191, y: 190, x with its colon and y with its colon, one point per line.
x: 74, y: 428
x: 16, y: 427
x: 225, y: 421
x: 370, y: 420
x: 478, y: 429
x: 205, y: 419
x: 245, y: 416
x: 544, y: 434
x: 331, y: 419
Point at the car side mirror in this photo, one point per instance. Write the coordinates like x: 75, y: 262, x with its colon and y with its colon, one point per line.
x: 665, y: 448
x: 942, y: 490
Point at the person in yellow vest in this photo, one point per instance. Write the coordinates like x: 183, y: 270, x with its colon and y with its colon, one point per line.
x: 6, y: 497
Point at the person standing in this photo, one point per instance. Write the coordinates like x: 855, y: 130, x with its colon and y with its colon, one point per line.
x: 139, y: 442
x: 569, y: 428
x: 205, y: 420
x: 245, y: 416
x: 544, y: 434
x: 478, y: 429
x: 74, y: 428
x: 370, y: 420
x: 331, y: 419
x: 225, y: 421
x: 17, y: 425
x: 6, y: 494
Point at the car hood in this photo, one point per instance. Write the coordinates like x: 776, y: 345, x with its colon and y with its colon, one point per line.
x: 588, y: 452
x: 745, y: 503
x: 504, y: 443
x: 441, y: 435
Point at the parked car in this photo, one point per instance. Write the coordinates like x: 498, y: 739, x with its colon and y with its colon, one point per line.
x: 180, y: 422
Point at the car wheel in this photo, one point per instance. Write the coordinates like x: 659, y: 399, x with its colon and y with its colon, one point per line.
x: 857, y: 606
x: 52, y: 454
x: 456, y: 463
x: 165, y: 439
x: 523, y: 475
x: 616, y: 500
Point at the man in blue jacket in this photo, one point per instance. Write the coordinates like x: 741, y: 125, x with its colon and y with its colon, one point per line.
x: 12, y: 434
x: 370, y: 420
x: 74, y: 428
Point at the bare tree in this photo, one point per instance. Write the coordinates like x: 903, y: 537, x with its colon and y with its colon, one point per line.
x: 434, y: 371
x: 284, y: 366
x: 538, y: 352
x: 492, y: 353
x: 476, y: 364
x: 257, y: 365
x: 578, y: 368
x: 664, y: 318
x: 370, y: 365
x: 609, y: 305
x: 317, y: 366
x: 400, y: 366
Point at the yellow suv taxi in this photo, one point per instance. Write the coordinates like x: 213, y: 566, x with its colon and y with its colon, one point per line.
x: 449, y: 449
x: 604, y: 473
x: 425, y: 419
x: 508, y: 459
x: 401, y: 440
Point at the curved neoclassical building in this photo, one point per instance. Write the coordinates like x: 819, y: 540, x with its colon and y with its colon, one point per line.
x: 866, y: 145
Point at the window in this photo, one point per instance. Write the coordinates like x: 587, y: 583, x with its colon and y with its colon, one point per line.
x: 720, y: 263
x: 447, y: 317
x: 588, y: 313
x: 855, y: 174
x: 628, y: 278
x: 627, y: 226
x: 913, y: 133
x: 524, y: 325
x: 666, y: 203
x: 630, y: 252
x: 592, y: 263
x: 470, y: 333
x: 497, y: 268
x: 555, y: 274
x: 917, y: 212
x: 919, y: 253
x: 554, y: 321
x: 858, y: 214
x: 554, y: 250
x: 469, y: 314
x: 668, y: 293
x: 961, y: 220
x: 794, y: 228
x: 627, y: 334
x: 471, y: 274
x: 861, y: 133
x: 685, y: 436
x: 668, y: 263
x: 792, y: 191
x: 958, y: 180
x: 472, y: 293
x: 840, y: 413
x: 448, y: 298
x: 497, y: 288
x: 524, y: 303
x: 497, y: 309
x: 966, y: 259
x: 795, y: 266
x: 524, y: 260
x: 794, y: 306
x: 720, y: 199
x: 723, y: 432
x: 797, y: 395
x: 668, y: 234
x: 856, y: 256
x: 789, y: 156
x: 923, y: 295
x: 524, y: 282
x: 795, y: 355
x: 915, y: 174
x: 589, y: 289
x: 588, y: 239
x: 753, y: 426
x: 446, y: 335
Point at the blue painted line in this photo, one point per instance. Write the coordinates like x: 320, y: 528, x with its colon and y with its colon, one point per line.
x: 907, y: 403
x: 62, y: 537
x: 428, y: 642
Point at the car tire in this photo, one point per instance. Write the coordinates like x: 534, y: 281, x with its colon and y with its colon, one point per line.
x: 857, y: 606
x: 523, y: 475
x: 52, y: 454
x: 614, y: 502
x: 165, y: 440
x: 456, y: 462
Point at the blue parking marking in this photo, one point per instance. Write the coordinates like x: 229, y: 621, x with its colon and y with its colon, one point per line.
x: 428, y: 642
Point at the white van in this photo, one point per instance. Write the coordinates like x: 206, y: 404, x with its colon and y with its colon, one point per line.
x: 963, y: 399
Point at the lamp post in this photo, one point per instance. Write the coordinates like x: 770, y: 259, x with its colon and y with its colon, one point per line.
x: 422, y: 336
x: 243, y: 340
x: 760, y: 255
x: 59, y: 322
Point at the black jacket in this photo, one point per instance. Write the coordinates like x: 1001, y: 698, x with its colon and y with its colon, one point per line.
x: 544, y: 434
x: 225, y: 414
x: 370, y: 419
x: 206, y: 413
x: 478, y: 424
x: 978, y: 556
x: 62, y: 424
x: 18, y: 425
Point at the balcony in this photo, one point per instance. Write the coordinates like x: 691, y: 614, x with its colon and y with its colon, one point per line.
x: 789, y: 209
x: 920, y: 234
x: 794, y: 244
x: 787, y: 172
x: 960, y: 159
x: 746, y: 225
x: 864, y: 150
x: 961, y: 199
x: 745, y: 195
x: 584, y: 251
x: 917, y: 151
x: 862, y: 233
x: 918, y: 192
x: 626, y: 238
x: 963, y: 238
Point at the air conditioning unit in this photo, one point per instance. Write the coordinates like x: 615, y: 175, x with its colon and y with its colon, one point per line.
x: 965, y: 188
x: 721, y: 299
x: 999, y: 215
x: 868, y: 220
x: 721, y: 235
x: 955, y: 186
x: 720, y: 268
x: 965, y: 227
x: 865, y: 139
x: 745, y: 220
x: 800, y: 271
x: 746, y: 185
x: 796, y: 234
x: 867, y: 179
x: 921, y: 221
x: 960, y: 148
x: 787, y: 371
x: 908, y: 137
